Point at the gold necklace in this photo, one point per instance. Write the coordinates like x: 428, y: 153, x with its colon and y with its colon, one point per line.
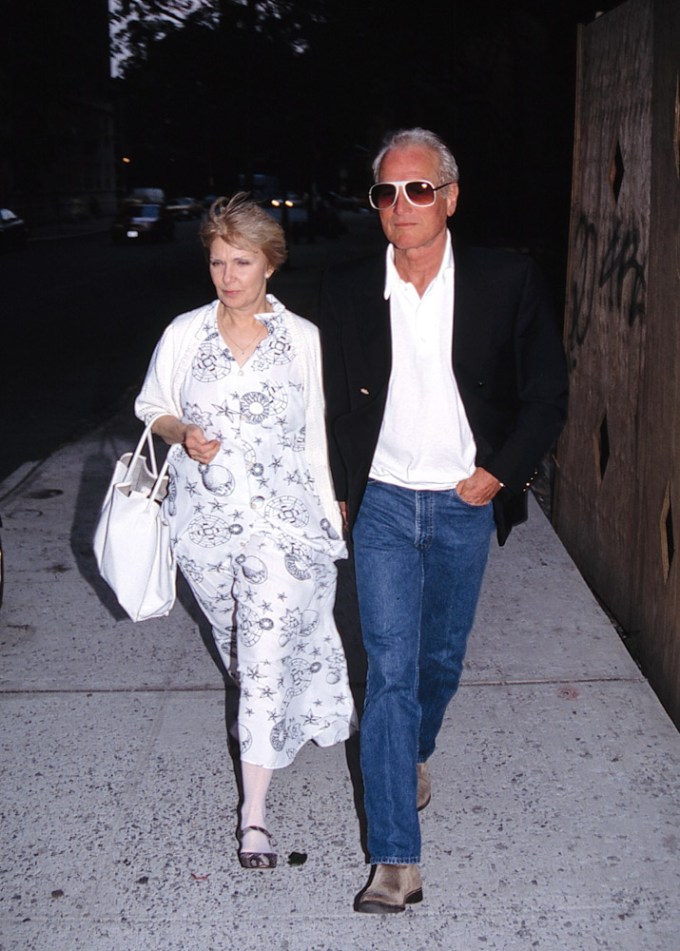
x: 232, y: 342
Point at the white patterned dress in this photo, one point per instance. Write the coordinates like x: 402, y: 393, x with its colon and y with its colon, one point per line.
x: 251, y: 540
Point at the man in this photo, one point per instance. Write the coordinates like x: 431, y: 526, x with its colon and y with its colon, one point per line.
x: 445, y: 386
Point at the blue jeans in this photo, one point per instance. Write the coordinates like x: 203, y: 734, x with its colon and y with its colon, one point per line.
x: 420, y: 558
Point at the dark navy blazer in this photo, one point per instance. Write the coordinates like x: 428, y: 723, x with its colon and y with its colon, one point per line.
x: 507, y: 357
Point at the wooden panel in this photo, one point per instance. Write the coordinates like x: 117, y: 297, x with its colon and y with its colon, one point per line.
x: 656, y: 609
x: 618, y: 480
x: 606, y: 310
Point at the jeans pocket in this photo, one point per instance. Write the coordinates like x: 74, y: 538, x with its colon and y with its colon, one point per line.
x: 470, y: 505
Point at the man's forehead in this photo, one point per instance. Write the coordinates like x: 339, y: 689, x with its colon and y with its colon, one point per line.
x: 419, y: 157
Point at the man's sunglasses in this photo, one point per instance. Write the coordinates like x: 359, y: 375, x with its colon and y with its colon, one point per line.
x: 383, y: 195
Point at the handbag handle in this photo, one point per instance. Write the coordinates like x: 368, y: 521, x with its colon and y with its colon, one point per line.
x: 158, y: 484
x: 146, y: 439
x: 159, y: 475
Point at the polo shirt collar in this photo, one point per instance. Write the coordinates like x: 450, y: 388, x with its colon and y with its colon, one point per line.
x: 392, y: 278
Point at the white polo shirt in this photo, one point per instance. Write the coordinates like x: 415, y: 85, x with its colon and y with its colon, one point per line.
x: 425, y: 441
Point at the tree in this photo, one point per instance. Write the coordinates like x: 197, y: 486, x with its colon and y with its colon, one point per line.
x: 137, y: 24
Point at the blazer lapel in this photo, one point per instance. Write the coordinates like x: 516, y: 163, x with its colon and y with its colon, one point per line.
x: 373, y: 327
x: 463, y: 306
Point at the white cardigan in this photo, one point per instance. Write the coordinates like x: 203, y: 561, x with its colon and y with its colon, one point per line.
x: 170, y: 363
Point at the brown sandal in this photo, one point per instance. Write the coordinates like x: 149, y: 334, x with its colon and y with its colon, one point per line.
x: 256, y: 859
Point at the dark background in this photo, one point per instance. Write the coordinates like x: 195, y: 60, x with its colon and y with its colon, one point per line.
x: 208, y: 96
x: 210, y: 93
x: 306, y: 92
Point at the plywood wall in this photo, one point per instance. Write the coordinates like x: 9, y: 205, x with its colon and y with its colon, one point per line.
x: 655, y: 610
x: 617, y: 506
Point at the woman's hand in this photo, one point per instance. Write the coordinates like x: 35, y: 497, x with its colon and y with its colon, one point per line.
x: 197, y: 447
x: 192, y: 437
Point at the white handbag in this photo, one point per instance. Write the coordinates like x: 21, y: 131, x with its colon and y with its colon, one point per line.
x: 132, y: 538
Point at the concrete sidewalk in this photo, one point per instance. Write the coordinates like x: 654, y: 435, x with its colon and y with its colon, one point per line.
x: 556, y: 800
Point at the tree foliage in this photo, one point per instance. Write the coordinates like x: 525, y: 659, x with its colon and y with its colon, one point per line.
x: 137, y: 24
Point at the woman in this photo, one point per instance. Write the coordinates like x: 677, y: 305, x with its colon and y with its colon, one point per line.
x: 235, y: 389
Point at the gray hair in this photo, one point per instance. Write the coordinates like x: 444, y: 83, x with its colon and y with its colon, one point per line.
x: 448, y: 167
x: 242, y: 223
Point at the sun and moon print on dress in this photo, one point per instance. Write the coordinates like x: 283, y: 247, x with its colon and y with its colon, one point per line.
x: 252, y: 540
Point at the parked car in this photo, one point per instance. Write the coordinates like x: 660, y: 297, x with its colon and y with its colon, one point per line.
x: 156, y: 196
x: 344, y: 202
x: 185, y: 209
x: 142, y: 222
x: 289, y: 210
x: 13, y: 230
x: 288, y: 201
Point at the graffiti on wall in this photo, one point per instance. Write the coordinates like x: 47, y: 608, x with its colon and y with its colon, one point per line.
x: 611, y: 271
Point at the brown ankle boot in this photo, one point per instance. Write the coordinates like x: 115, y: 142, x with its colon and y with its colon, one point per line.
x: 390, y: 889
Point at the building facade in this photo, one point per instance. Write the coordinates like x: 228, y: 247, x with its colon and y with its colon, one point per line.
x: 57, y: 159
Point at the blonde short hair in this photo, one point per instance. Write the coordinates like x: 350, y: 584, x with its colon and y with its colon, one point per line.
x: 242, y: 223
